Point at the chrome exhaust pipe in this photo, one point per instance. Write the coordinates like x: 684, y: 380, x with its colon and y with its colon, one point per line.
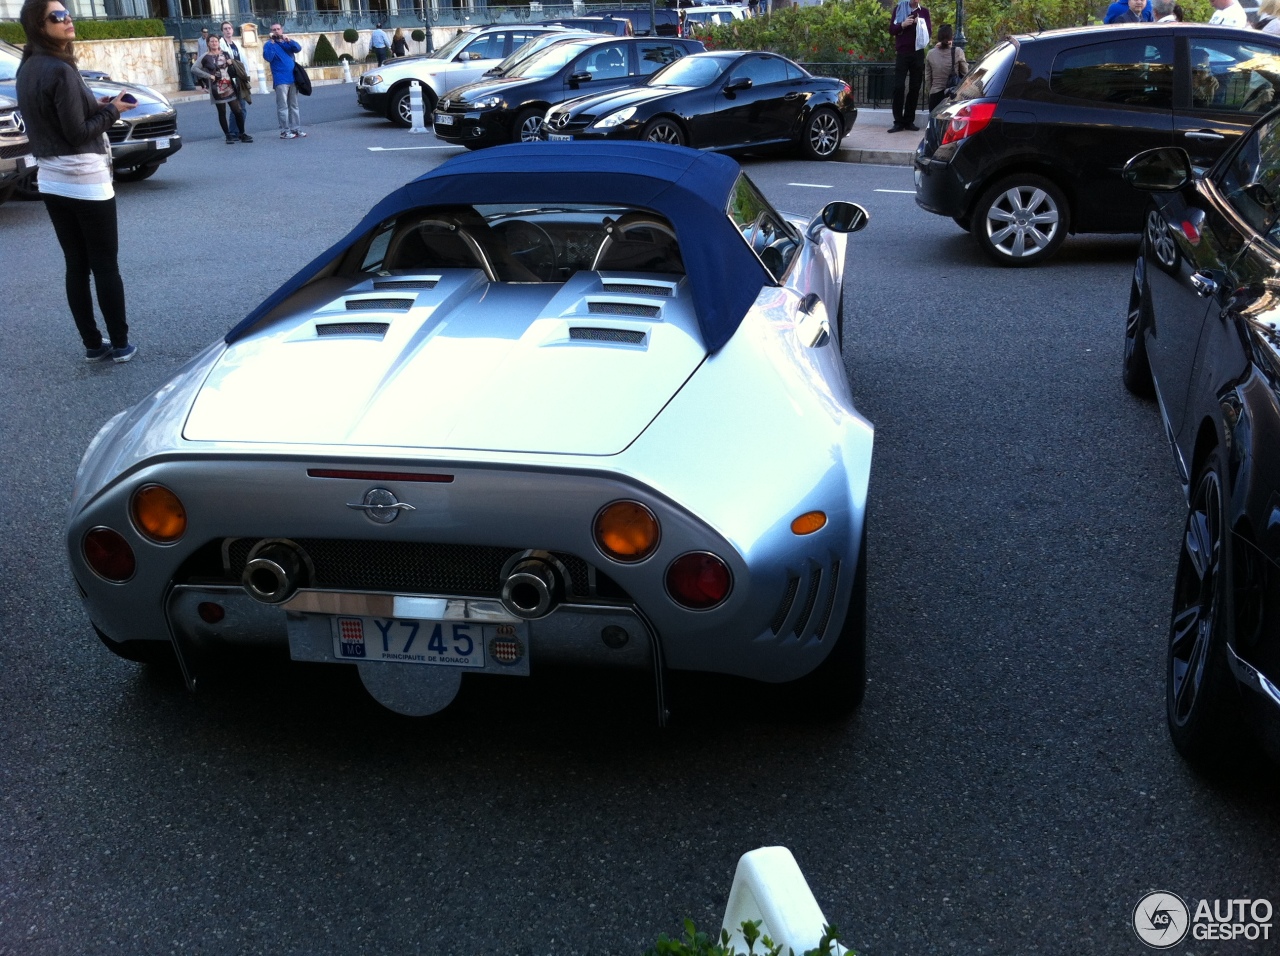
x: 274, y: 573
x: 530, y: 589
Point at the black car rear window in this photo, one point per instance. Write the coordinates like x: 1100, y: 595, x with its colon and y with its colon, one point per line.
x: 1133, y: 71
x: 988, y: 77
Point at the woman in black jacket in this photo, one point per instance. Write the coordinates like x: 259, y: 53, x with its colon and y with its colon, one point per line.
x: 67, y: 128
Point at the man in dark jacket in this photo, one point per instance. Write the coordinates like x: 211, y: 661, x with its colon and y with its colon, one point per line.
x: 910, y: 28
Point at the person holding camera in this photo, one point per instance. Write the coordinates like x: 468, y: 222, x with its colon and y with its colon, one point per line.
x: 910, y: 27
x: 279, y: 51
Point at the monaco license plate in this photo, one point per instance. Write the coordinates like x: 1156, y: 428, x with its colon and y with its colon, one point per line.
x: 559, y: 138
x: 411, y: 641
x: 443, y: 119
x: 162, y: 142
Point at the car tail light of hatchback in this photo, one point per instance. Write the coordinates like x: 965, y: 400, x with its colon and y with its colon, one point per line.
x: 968, y: 120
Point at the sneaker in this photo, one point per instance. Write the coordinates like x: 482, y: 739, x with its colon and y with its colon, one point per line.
x: 298, y: 132
x: 102, y: 352
x: 124, y: 353
x: 230, y: 139
x: 246, y: 138
x: 287, y: 134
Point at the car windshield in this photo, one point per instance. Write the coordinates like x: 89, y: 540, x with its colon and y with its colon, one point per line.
x: 451, y: 48
x: 528, y: 49
x: 551, y: 60
x: 692, y: 71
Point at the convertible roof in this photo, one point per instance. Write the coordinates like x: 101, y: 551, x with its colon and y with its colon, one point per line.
x: 691, y: 189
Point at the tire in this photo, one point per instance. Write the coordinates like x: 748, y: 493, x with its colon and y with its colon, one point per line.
x: 1202, y: 702
x: 821, y: 135
x: 6, y: 194
x: 136, y: 174
x: 156, y: 653
x: 525, y: 128
x: 1021, y: 220
x: 1136, y: 368
x: 663, y: 130
x: 400, y: 112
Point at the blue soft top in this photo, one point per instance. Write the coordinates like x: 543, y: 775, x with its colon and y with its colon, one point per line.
x: 691, y: 189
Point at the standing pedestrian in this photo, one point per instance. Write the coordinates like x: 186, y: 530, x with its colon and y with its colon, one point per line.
x: 942, y: 63
x: 399, y: 45
x: 279, y: 51
x: 910, y: 27
x: 380, y: 43
x: 1269, y: 17
x: 239, y: 76
x: 215, y: 67
x: 67, y: 128
x: 202, y: 47
x: 1118, y: 12
x: 1163, y: 11
x: 1229, y: 13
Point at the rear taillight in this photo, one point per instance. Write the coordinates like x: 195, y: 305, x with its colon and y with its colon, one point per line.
x: 109, y: 554
x: 968, y: 120
x: 698, y: 580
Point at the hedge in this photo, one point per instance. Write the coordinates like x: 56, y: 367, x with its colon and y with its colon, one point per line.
x: 93, y: 30
x: 324, y: 53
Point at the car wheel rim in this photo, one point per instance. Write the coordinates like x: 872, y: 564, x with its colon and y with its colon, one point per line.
x: 1160, y: 240
x: 1023, y: 221
x: 664, y: 133
x: 824, y: 134
x: 529, y: 129
x: 1195, y: 607
x: 404, y: 109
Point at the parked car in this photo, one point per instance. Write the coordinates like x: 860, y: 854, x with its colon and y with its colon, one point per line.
x: 726, y: 100
x: 592, y: 409
x: 141, y: 140
x: 638, y: 19
x: 1201, y: 336
x: 536, y: 45
x: 385, y: 90
x: 606, y: 26
x: 17, y: 165
x: 705, y: 17
x: 1031, y: 146
x: 510, y: 108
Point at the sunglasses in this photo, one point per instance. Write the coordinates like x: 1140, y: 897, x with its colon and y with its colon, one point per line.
x: 59, y: 16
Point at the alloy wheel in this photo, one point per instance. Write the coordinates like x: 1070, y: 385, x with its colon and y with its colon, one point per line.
x: 1196, y: 606
x: 1159, y: 240
x: 1023, y: 222
x: 823, y: 134
x: 664, y: 131
x: 529, y: 129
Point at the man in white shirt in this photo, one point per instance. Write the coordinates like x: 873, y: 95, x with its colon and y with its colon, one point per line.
x: 1229, y: 13
x: 1163, y: 11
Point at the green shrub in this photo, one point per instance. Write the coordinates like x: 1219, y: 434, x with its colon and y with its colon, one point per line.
x: 94, y: 30
x: 695, y: 943
x: 12, y: 32
x: 324, y: 54
x: 346, y: 58
x: 417, y: 36
x: 350, y: 35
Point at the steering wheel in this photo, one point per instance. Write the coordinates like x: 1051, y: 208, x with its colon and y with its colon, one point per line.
x: 531, y: 246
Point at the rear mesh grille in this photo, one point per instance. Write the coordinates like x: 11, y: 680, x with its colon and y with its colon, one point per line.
x: 631, y: 288
x: 379, y: 305
x: 353, y: 328
x: 820, y: 631
x: 780, y: 617
x: 395, y: 285
x: 623, y: 308
x: 628, y: 336
x: 815, y: 582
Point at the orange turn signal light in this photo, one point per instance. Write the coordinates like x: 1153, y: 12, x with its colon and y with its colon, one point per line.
x: 809, y: 522
x: 159, y: 514
x: 626, y: 531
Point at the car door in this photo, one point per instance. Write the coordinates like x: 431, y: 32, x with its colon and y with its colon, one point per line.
x: 753, y: 104
x: 1107, y: 101
x: 600, y: 68
x: 1224, y: 86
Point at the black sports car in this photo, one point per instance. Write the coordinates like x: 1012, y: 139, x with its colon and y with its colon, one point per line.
x: 1203, y: 336
x: 509, y: 108
x: 728, y: 101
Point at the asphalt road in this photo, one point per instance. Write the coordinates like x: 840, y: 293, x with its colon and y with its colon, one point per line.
x: 1007, y: 788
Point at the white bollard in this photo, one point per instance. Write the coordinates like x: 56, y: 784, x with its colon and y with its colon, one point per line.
x: 262, y: 81
x: 415, y: 106
x: 346, y: 71
x: 769, y: 886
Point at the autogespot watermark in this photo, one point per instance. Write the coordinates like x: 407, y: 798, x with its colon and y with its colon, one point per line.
x: 1162, y: 920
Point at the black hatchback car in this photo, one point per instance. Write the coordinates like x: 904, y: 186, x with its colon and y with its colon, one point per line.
x: 1203, y: 337
x: 1031, y: 146
x: 510, y: 108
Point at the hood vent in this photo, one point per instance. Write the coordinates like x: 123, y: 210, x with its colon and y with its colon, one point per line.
x: 636, y: 288
x: 353, y: 328
x: 379, y: 305
x: 404, y: 285
x: 621, y: 336
x: 623, y: 308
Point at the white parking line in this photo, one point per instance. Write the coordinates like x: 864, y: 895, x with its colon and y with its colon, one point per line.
x: 905, y: 192
x: 811, y: 185
x: 400, y: 149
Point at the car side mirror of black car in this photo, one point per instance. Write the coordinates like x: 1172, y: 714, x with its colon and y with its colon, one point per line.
x: 1166, y: 169
x: 576, y: 78
x: 839, y: 217
x: 741, y: 83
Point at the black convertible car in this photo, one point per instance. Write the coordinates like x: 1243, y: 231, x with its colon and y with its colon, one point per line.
x: 1203, y: 336
x: 728, y: 101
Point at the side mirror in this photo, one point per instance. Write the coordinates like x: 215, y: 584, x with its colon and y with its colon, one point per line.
x: 577, y: 78
x: 1164, y: 170
x: 839, y: 217
x: 742, y: 83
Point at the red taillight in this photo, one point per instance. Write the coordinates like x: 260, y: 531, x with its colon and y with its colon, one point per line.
x: 109, y: 554
x: 968, y: 120
x: 698, y: 580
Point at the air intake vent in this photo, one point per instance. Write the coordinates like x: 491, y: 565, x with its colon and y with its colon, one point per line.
x: 353, y: 328
x: 623, y: 308
x: 820, y: 631
x: 634, y: 288
x: 398, y: 285
x: 815, y: 582
x: 627, y: 336
x: 780, y: 617
x: 379, y: 305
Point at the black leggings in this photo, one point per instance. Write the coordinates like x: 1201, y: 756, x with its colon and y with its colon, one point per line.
x: 86, y: 230
x: 236, y: 113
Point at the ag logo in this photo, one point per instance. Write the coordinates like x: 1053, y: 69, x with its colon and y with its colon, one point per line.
x: 1161, y: 919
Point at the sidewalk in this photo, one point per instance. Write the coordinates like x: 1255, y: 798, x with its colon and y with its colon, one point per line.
x: 871, y: 142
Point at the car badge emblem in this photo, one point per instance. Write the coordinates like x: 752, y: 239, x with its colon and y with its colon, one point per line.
x: 22, y: 124
x: 444, y: 105
x: 561, y: 120
x: 505, y: 647
x: 380, y: 506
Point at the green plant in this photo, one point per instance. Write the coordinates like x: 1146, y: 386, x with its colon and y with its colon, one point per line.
x: 93, y: 30
x: 346, y: 58
x: 324, y: 53
x: 417, y: 36
x: 695, y: 943
x: 350, y: 35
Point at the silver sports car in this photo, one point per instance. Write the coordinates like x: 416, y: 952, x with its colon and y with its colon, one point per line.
x: 579, y: 403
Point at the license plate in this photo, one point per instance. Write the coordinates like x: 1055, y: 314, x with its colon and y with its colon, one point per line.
x: 443, y: 119
x: 162, y: 142
x: 26, y: 162
x: 411, y: 641
x: 559, y: 138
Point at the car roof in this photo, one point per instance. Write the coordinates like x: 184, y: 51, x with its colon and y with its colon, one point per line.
x: 690, y: 189
x: 1100, y: 31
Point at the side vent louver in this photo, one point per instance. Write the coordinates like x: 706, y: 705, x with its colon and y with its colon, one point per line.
x: 397, y: 285
x: 815, y: 582
x: 379, y: 305
x: 625, y: 336
x: 636, y: 288
x: 780, y: 618
x: 820, y: 631
x: 623, y: 308
x: 353, y: 328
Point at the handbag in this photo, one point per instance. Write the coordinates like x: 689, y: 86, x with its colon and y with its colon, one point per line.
x: 301, y: 81
x: 954, y: 79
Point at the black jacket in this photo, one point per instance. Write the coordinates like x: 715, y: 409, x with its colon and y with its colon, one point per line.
x: 62, y: 116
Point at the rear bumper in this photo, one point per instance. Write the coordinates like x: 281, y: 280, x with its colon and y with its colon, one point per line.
x: 939, y: 189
